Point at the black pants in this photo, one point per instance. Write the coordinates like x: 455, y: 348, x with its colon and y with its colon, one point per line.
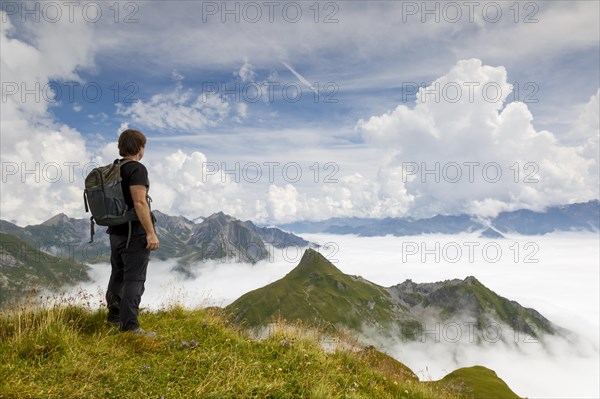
x: 126, y: 284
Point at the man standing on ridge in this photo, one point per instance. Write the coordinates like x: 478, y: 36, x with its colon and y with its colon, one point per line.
x: 131, y: 244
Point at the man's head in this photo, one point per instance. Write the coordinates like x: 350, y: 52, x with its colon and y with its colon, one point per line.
x: 131, y: 143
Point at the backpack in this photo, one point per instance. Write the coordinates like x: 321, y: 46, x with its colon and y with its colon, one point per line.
x: 103, y: 197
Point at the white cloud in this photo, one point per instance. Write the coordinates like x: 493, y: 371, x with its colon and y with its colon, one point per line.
x: 176, y: 75
x: 246, y: 72
x: 124, y: 126
x: 462, y: 131
x: 179, y: 110
x: 242, y: 111
x: 351, y: 195
x: 587, y: 125
x: 42, y: 159
x: 283, y: 202
x: 586, y: 132
x: 186, y: 184
x: 98, y: 118
x: 543, y: 29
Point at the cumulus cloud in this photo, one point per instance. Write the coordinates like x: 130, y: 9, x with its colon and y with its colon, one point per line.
x: 586, y: 133
x: 587, y: 125
x: 191, y: 185
x: 41, y: 158
x: 351, y: 195
x: 464, y: 148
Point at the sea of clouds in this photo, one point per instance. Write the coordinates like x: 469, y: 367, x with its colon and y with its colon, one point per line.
x: 556, y: 274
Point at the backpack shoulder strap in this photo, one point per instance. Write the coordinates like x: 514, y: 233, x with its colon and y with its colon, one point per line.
x: 122, y: 161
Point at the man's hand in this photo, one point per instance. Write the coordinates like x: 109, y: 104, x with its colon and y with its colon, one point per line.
x: 152, y: 241
x: 142, y: 210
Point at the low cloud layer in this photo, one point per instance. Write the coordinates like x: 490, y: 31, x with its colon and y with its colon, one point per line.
x: 552, y: 274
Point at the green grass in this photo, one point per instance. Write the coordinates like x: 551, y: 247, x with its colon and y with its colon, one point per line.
x: 478, y: 382
x: 69, y: 352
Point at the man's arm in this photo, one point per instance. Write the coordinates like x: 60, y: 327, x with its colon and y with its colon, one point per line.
x: 142, y: 210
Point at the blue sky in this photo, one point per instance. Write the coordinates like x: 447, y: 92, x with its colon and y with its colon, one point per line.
x: 158, y: 63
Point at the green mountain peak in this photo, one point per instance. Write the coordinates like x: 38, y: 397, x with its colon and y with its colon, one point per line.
x: 313, y: 263
x: 317, y: 291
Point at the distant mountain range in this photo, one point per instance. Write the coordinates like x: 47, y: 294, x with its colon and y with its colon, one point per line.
x: 574, y: 217
x: 318, y: 293
x: 53, y: 253
x: 218, y: 236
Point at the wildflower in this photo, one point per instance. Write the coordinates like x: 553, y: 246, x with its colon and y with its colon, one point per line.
x: 185, y: 344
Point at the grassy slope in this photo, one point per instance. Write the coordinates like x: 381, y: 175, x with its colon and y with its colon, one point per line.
x: 479, y: 382
x: 33, y: 268
x: 69, y: 352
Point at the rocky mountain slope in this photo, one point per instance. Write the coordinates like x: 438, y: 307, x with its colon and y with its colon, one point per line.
x: 217, y: 236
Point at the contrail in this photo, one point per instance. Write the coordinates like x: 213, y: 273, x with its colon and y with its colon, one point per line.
x: 300, y: 77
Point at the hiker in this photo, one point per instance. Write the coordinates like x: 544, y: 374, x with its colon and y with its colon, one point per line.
x: 131, y: 243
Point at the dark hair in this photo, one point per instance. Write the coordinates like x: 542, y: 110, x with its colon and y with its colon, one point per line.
x: 131, y: 142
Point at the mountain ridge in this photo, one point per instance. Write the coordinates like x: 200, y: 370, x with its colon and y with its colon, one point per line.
x: 316, y: 291
x: 218, y: 236
x: 583, y: 216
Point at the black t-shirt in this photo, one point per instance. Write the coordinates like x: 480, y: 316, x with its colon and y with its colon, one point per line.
x: 133, y: 174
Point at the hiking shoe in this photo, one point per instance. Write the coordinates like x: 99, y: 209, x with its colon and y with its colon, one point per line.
x: 139, y: 331
x: 113, y: 323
